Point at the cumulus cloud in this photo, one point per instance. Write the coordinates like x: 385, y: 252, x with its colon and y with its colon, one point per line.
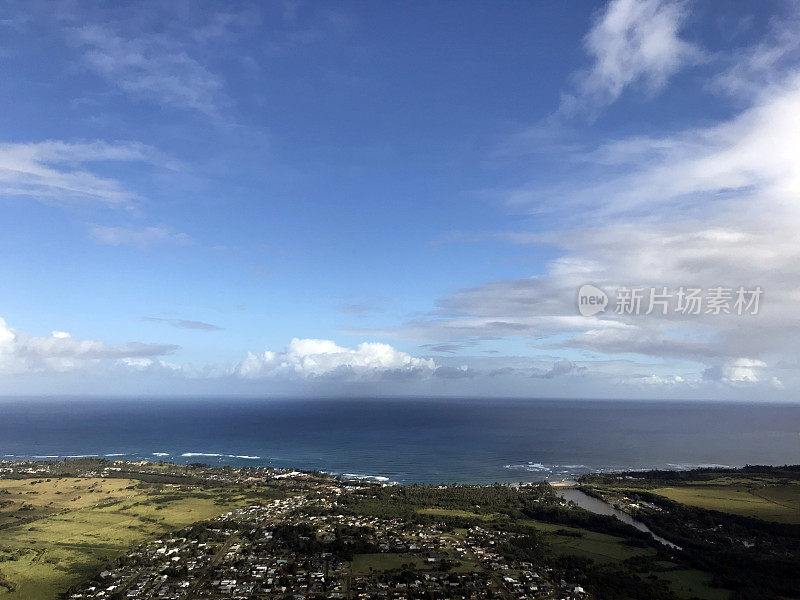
x: 308, y: 358
x: 560, y: 367
x: 658, y: 380
x: 302, y: 360
x: 139, y: 237
x: 54, y: 171
x: 742, y: 371
x: 21, y: 353
x: 632, y: 42
x: 308, y: 364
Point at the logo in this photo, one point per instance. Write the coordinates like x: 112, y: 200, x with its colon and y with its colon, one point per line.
x: 591, y: 300
x: 641, y: 300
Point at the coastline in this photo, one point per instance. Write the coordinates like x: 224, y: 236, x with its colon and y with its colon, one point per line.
x: 565, y: 484
x: 479, y: 442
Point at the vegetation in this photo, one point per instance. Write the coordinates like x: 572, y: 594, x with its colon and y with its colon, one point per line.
x: 548, y: 533
x: 763, y: 492
x: 740, y: 525
x: 63, y: 527
x: 56, y: 531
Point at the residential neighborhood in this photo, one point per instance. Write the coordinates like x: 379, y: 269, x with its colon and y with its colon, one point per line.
x: 303, y: 548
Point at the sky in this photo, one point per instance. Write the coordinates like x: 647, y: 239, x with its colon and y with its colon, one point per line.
x: 389, y: 199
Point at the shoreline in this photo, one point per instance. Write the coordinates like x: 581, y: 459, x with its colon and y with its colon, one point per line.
x: 113, y: 462
x: 564, y: 484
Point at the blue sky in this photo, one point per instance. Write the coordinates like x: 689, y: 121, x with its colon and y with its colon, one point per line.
x: 390, y: 198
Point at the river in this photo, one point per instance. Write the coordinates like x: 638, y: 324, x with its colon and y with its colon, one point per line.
x: 599, y: 507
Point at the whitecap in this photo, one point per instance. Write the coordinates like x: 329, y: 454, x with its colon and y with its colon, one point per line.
x: 531, y: 466
x: 366, y: 477
x: 199, y: 454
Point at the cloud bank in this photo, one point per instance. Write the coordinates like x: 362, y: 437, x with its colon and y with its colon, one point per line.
x: 21, y: 353
x: 302, y: 359
x: 705, y: 206
x: 323, y: 358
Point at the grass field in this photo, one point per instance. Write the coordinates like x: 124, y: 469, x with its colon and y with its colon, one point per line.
x: 24, y: 500
x: 600, y: 547
x: 70, y: 527
x: 776, y: 502
x: 363, y: 564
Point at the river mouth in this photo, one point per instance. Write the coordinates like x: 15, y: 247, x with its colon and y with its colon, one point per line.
x: 599, y: 507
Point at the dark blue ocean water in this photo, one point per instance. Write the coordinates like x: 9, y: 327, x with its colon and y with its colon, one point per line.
x: 412, y: 439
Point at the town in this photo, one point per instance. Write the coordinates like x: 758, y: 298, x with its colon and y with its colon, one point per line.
x: 138, y: 530
x: 287, y: 550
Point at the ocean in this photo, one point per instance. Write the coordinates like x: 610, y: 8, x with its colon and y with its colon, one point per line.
x: 408, y: 440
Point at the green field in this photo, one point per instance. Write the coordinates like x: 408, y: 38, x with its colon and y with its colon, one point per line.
x: 73, y: 526
x: 600, y: 547
x: 771, y: 502
x: 364, y: 564
x: 25, y: 500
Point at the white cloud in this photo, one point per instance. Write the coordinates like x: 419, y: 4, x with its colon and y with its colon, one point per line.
x: 751, y: 157
x: 742, y: 371
x: 21, y: 353
x: 760, y: 66
x: 687, y: 253
x: 632, y: 42
x: 702, y: 207
x: 559, y: 368
x: 657, y: 380
x: 309, y: 358
x: 60, y: 353
x: 139, y: 237
x: 54, y: 171
x: 151, y: 67
x: 61, y: 362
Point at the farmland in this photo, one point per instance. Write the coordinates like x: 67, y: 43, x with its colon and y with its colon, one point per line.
x: 68, y: 528
x: 775, y: 501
